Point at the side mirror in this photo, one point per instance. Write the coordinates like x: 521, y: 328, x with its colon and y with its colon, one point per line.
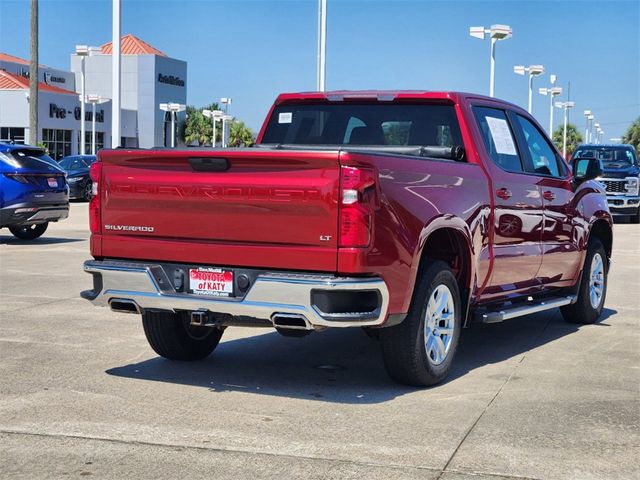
x: 586, y: 169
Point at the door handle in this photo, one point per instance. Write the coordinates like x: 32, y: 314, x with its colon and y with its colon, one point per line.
x: 548, y: 196
x: 504, y: 193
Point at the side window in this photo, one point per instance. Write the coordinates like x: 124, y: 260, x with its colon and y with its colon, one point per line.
x: 498, y: 138
x: 543, y: 157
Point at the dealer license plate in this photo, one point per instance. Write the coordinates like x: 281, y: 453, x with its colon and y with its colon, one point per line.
x: 52, y: 181
x: 211, y: 281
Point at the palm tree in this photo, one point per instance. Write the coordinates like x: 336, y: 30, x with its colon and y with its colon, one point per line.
x: 574, y: 138
x: 632, y: 135
x: 240, y: 135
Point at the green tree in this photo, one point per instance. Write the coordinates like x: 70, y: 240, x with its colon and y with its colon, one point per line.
x: 240, y: 135
x: 574, y: 138
x: 632, y: 135
x: 197, y: 128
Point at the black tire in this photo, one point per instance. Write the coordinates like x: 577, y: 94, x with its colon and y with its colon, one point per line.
x: 583, y: 311
x: 171, y: 336
x: 403, y: 346
x: 87, y: 191
x: 29, y: 232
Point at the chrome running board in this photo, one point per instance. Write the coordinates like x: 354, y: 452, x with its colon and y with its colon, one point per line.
x: 527, y: 309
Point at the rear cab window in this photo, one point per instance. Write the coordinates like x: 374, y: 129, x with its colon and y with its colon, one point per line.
x: 379, y: 124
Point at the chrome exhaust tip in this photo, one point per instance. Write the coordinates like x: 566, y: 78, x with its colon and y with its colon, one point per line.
x: 124, y: 305
x: 290, y: 321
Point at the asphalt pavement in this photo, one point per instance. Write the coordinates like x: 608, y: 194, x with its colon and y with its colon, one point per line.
x: 83, y: 395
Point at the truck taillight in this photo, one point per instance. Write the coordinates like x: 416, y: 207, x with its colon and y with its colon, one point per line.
x: 357, y: 187
x: 95, y: 173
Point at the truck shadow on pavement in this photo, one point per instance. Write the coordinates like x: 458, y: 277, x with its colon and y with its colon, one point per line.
x: 11, y: 240
x: 342, y: 366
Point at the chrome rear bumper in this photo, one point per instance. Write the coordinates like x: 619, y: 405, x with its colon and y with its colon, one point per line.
x: 147, y: 287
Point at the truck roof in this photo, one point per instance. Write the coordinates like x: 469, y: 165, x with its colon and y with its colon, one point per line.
x: 383, y: 96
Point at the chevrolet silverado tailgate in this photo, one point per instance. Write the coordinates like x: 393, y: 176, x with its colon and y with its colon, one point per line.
x: 245, y: 207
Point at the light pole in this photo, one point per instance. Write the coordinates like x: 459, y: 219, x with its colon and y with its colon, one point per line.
x: 596, y: 127
x: 533, y: 71
x: 566, y: 106
x: 115, y: 74
x: 173, y: 108
x: 94, y: 100
x: 214, y: 115
x: 322, y: 45
x: 496, y: 32
x: 225, y: 130
x: 552, y: 92
x: 586, y: 131
x: 226, y: 101
x: 83, y: 51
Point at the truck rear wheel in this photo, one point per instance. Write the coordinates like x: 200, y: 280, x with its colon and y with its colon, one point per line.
x: 592, y: 289
x: 420, y: 350
x: 171, y: 336
x: 29, y: 232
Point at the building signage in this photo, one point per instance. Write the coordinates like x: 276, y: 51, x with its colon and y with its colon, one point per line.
x: 170, y: 80
x: 50, y: 78
x: 56, y: 111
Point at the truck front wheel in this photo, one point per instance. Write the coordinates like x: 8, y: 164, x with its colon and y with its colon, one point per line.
x: 171, y: 336
x: 592, y: 289
x: 420, y: 350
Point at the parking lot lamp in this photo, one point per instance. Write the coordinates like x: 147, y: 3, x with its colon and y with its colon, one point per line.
x: 226, y: 101
x: 214, y: 115
x: 595, y: 129
x: 565, y: 106
x: 226, y: 120
x: 173, y: 109
x: 552, y: 92
x: 83, y: 51
x: 586, y: 131
x: 533, y: 71
x: 94, y: 100
x: 496, y: 32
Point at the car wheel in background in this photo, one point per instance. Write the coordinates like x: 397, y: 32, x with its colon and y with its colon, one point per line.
x: 87, y: 191
x: 29, y: 232
x: 171, y: 336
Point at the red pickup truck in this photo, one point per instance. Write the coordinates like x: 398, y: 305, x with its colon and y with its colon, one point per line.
x: 409, y: 213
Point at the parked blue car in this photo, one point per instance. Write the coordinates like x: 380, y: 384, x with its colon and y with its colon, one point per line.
x: 33, y: 191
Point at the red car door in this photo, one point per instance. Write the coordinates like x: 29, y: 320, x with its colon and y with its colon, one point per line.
x: 518, y: 210
x: 561, y: 256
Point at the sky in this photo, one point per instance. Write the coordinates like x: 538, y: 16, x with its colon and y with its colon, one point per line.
x: 253, y: 50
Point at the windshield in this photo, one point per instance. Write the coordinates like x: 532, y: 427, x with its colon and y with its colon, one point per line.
x: 374, y: 124
x: 74, y: 163
x: 622, y: 156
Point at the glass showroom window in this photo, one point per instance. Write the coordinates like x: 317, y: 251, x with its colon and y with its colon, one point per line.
x: 58, y: 142
x: 87, y: 142
x: 11, y: 134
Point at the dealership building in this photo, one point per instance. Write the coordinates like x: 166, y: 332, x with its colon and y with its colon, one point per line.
x: 149, y: 77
